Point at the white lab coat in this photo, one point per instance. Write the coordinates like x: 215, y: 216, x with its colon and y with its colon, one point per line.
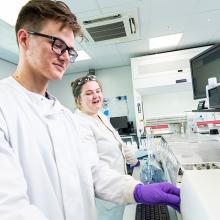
x: 44, y: 175
x: 105, y: 141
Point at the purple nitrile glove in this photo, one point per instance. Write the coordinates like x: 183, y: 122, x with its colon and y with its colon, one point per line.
x: 158, y: 193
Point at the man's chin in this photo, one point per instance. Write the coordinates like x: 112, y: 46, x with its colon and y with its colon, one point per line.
x: 58, y: 76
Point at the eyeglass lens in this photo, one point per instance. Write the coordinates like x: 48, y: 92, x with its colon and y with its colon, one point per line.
x: 60, y: 47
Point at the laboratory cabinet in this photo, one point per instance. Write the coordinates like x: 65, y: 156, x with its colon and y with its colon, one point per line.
x: 163, y: 71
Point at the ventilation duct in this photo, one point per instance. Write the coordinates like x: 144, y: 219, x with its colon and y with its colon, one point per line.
x: 112, y: 28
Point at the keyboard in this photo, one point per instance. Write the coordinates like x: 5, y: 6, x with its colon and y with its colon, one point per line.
x: 151, y: 212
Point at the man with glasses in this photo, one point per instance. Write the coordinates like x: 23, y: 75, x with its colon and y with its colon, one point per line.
x: 44, y: 175
x: 58, y: 46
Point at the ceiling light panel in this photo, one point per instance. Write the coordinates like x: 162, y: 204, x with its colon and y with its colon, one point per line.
x: 165, y: 41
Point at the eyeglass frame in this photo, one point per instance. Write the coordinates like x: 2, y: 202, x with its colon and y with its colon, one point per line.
x: 53, y: 39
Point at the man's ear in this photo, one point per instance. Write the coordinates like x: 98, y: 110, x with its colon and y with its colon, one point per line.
x: 23, y: 37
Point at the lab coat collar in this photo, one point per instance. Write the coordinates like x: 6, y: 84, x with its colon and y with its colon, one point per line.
x: 45, y: 105
x: 101, y: 116
x: 105, y: 121
x: 79, y: 112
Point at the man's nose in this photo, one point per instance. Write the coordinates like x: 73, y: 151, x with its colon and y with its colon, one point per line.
x: 65, y: 56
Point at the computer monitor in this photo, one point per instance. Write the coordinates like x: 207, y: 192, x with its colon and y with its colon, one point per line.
x: 119, y: 122
x: 204, y: 66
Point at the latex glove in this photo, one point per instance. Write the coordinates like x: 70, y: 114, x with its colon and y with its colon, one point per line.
x: 130, y: 156
x: 158, y: 193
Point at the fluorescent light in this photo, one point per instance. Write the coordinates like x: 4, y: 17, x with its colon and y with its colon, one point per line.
x: 82, y: 55
x: 10, y: 9
x: 165, y: 41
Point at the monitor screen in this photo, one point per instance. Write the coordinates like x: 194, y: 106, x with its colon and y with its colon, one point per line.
x: 204, y: 66
x: 119, y: 122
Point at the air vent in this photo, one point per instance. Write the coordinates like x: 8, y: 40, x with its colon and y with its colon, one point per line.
x: 108, y: 18
x: 107, y: 32
x: 111, y: 28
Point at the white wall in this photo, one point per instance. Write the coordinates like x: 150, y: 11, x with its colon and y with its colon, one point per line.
x: 115, y: 82
x: 62, y: 90
x: 6, y: 68
x: 165, y: 104
x: 118, y: 82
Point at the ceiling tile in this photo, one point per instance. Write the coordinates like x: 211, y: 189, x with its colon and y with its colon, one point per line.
x: 88, y: 14
x: 116, y: 4
x: 132, y: 49
x: 204, y: 5
x: 169, y: 21
x: 201, y: 29
x: 82, y: 5
x: 171, y: 7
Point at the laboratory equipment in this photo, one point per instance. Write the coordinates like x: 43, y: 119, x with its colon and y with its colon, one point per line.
x: 152, y: 172
x: 119, y: 123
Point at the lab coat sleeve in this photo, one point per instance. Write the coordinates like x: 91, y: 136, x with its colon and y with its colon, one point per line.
x: 109, y: 184
x: 112, y: 186
x: 14, y: 203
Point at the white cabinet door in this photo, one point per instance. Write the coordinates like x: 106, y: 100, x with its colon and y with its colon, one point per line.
x: 163, y: 71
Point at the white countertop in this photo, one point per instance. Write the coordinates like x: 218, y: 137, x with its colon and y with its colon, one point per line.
x: 194, y: 148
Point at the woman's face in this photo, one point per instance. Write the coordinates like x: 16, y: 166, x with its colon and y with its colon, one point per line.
x: 91, y: 98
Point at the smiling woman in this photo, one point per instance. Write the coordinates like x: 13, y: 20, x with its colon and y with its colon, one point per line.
x: 103, y: 140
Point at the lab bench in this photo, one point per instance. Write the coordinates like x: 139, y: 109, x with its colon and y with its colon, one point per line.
x: 189, y: 152
x: 179, y: 152
x: 197, y: 156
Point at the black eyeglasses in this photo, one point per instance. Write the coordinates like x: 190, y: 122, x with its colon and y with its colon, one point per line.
x: 85, y: 79
x: 58, y: 46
